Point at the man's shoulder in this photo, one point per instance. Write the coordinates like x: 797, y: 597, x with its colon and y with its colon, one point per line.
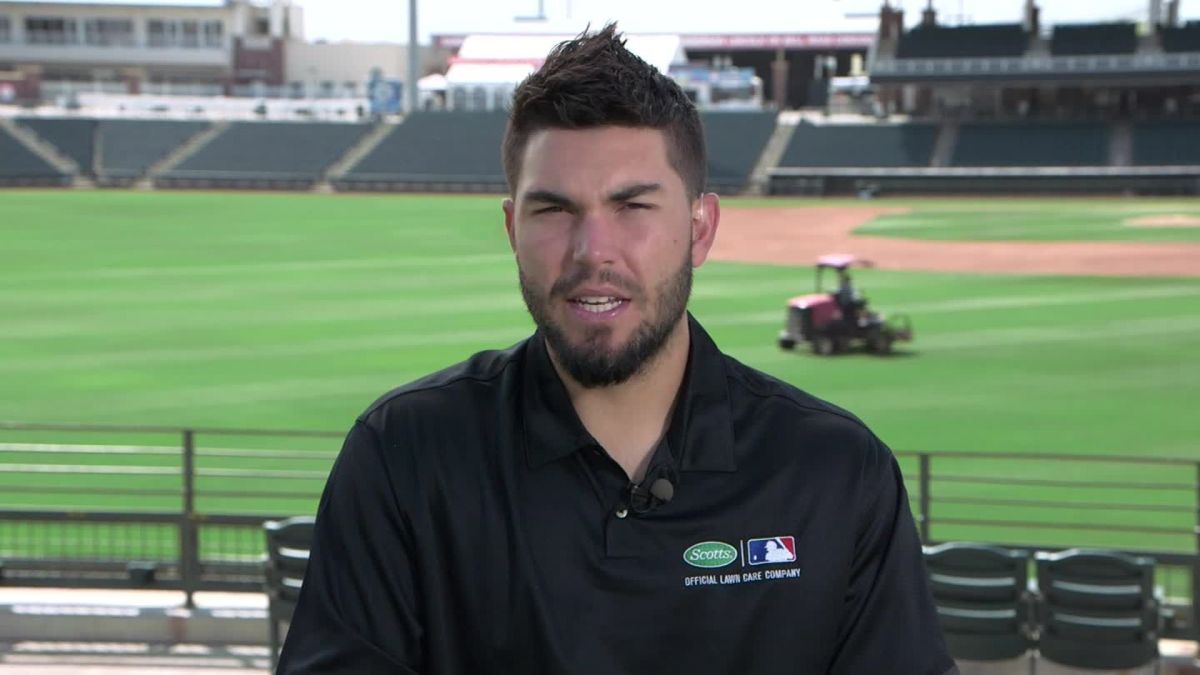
x: 755, y: 385
x: 456, y: 386
x: 803, y: 430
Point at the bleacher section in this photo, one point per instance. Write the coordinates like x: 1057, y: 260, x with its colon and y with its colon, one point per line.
x: 460, y: 152
x: 859, y: 145
x: 1096, y: 38
x: 1185, y: 38
x: 735, y: 141
x: 435, y: 151
x: 1008, y: 39
x: 1032, y: 144
x: 1166, y: 143
x: 276, y: 155
x: 19, y: 166
x: 125, y: 149
x: 74, y: 138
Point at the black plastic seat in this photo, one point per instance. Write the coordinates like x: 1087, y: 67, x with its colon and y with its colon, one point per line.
x: 288, y: 544
x: 982, y: 599
x: 1097, y: 609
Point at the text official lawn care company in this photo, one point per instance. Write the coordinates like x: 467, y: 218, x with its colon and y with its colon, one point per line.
x: 764, y: 551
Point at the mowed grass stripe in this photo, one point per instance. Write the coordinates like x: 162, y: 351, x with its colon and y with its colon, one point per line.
x: 278, y: 287
x: 180, y: 318
x: 378, y: 342
x: 251, y: 269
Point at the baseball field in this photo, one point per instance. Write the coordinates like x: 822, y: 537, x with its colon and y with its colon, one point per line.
x: 1066, y: 326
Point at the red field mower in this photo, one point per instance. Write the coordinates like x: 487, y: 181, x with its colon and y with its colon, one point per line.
x: 839, y: 321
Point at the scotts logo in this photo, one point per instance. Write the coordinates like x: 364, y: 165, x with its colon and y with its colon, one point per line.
x: 710, y: 554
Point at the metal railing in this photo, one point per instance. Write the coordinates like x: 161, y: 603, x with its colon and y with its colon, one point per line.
x: 1139, y: 505
x: 188, y: 515
x: 181, y: 517
x: 1031, y: 66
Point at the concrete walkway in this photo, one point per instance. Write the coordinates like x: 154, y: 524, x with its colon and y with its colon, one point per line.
x: 103, y: 632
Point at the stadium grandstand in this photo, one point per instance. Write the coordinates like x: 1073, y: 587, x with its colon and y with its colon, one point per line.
x: 1101, y: 107
x: 285, y: 155
x: 126, y: 148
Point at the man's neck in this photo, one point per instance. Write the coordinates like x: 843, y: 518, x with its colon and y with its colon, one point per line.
x: 629, y: 419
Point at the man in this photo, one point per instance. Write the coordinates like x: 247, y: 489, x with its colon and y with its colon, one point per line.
x: 847, y: 297
x: 585, y: 501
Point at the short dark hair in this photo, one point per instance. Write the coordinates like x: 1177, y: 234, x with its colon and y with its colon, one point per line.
x: 593, y: 81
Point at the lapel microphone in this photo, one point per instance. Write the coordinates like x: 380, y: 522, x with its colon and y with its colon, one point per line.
x: 643, y: 499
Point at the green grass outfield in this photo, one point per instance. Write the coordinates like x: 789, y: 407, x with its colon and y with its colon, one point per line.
x: 296, y: 311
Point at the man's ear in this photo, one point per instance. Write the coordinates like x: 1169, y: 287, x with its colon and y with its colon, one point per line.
x: 706, y: 216
x: 509, y: 222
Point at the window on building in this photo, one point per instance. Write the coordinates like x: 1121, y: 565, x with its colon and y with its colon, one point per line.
x: 108, y: 32
x: 214, y: 34
x: 262, y: 26
x: 5, y: 30
x: 41, y: 30
x: 479, y: 99
x: 189, y: 32
x: 161, y: 33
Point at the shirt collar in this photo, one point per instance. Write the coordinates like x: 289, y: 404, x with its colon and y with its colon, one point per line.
x: 700, y: 435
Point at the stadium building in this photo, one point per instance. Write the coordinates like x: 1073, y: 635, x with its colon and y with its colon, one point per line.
x: 59, y: 52
x: 833, y: 109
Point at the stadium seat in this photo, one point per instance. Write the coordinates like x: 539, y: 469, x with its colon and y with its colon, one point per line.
x: 996, y: 40
x: 127, y: 148
x: 1097, y: 609
x: 983, y: 601
x: 860, y: 145
x: 296, y: 153
x: 288, y: 543
x: 1032, y: 144
x: 1166, y: 143
x: 20, y: 166
x: 74, y: 138
x: 735, y: 139
x: 1185, y: 38
x: 437, y: 151
x: 1096, y: 38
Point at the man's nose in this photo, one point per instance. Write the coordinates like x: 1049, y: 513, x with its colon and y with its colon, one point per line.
x: 596, y: 240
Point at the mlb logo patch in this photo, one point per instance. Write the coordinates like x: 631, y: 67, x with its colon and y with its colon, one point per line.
x: 771, y: 550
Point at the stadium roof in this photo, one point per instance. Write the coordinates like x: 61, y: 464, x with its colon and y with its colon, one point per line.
x: 501, y: 59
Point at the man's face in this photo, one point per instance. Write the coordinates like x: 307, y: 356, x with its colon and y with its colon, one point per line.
x: 606, y: 237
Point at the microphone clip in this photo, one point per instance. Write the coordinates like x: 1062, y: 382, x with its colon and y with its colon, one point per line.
x: 643, y: 499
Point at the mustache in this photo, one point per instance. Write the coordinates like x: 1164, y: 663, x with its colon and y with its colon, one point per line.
x: 581, y: 275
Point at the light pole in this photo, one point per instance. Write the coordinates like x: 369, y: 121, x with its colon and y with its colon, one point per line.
x: 414, y: 59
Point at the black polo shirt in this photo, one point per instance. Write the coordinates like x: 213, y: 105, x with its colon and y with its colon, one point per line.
x: 471, y: 524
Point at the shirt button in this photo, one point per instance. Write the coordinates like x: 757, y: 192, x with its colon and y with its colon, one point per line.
x: 622, y: 512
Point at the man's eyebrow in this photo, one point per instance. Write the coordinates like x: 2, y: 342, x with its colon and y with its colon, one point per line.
x: 548, y: 197
x: 633, y: 191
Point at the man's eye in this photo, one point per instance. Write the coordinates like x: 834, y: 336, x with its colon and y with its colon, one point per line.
x: 638, y: 205
x: 547, y: 209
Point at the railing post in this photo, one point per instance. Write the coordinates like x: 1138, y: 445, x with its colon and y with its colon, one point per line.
x: 925, y: 517
x: 189, y: 539
x: 1195, y: 627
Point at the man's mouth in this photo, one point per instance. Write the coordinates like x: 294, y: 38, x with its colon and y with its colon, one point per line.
x: 598, y: 304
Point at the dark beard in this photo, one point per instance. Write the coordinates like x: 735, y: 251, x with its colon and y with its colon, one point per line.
x: 591, y: 364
